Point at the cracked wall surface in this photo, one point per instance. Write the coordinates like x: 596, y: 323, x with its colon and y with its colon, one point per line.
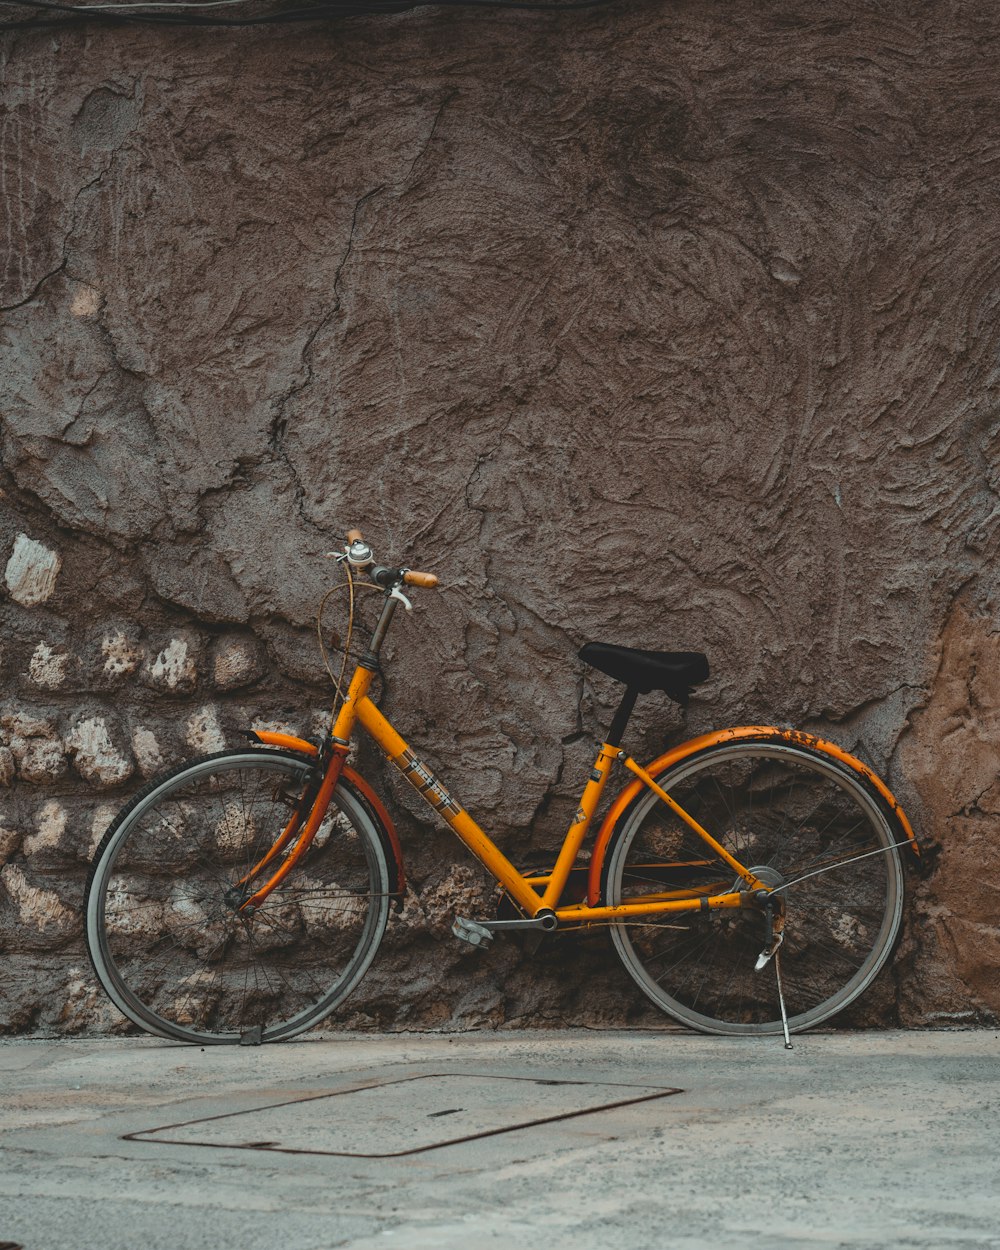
x: 670, y: 324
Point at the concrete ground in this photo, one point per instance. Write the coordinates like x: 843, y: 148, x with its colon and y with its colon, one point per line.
x: 849, y: 1140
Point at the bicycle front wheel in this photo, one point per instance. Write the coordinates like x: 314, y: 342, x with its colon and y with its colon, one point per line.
x: 164, y: 932
x: 807, y: 827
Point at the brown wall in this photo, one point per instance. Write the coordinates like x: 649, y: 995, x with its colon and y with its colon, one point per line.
x: 673, y: 324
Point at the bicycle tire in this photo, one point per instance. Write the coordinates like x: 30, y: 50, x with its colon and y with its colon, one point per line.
x: 784, y: 811
x: 177, y: 958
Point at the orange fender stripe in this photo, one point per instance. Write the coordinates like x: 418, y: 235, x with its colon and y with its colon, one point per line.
x: 286, y: 741
x: 747, y: 733
x: 356, y: 782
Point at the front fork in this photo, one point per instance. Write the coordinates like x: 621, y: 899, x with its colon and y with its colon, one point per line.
x: 246, y: 896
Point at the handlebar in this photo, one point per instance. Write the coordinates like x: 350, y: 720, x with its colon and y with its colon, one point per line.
x: 407, y: 577
x: 360, y: 556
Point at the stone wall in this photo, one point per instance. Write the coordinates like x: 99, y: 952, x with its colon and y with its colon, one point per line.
x: 672, y: 324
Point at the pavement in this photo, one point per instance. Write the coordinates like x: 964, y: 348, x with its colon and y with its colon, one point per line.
x: 480, y: 1140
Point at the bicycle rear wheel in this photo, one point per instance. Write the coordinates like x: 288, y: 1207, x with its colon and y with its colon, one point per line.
x: 172, y: 950
x: 785, y: 812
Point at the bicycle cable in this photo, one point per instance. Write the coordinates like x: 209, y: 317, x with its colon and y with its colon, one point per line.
x: 840, y: 863
x: 338, y: 682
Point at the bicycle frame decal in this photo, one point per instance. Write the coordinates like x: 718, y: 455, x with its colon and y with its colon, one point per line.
x: 425, y: 783
x: 360, y: 708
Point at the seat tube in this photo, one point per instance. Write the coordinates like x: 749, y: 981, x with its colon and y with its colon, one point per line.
x: 589, y: 800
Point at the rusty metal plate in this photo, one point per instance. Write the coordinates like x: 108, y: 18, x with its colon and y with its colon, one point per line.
x: 385, y: 1119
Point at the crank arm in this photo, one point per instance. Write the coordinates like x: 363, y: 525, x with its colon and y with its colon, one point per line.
x: 545, y: 920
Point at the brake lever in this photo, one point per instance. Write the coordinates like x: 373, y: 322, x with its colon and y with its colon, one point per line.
x: 396, y: 593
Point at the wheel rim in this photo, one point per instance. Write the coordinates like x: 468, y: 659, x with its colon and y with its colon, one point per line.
x: 167, y: 937
x: 788, y: 812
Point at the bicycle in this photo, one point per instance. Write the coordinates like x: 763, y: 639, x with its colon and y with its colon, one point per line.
x: 241, y: 897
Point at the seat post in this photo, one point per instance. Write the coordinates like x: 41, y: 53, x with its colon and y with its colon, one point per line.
x: 617, y: 730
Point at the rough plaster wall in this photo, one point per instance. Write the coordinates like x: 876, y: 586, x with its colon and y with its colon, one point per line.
x: 673, y: 324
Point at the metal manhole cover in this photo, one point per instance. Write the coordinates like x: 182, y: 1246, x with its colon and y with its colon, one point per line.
x: 383, y: 1119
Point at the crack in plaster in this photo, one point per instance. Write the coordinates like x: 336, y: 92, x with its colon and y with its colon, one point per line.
x: 37, y: 290
x: 279, y: 422
x: 429, y: 140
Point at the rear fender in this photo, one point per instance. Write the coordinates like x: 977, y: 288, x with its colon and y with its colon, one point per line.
x: 365, y: 795
x: 749, y: 733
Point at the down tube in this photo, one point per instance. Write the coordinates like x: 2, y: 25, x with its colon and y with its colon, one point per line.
x: 433, y: 792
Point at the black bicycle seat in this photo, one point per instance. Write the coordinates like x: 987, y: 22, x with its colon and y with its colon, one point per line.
x: 673, y: 672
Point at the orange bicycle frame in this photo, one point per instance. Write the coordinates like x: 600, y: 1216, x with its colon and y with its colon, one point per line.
x: 537, y: 894
x: 533, y: 895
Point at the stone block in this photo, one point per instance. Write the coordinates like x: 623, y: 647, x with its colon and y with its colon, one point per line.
x: 31, y: 572
x: 40, y: 760
x: 237, y: 661
x: 10, y: 840
x: 96, y: 757
x: 41, y: 920
x: 121, y: 654
x: 48, y: 666
x: 147, y: 750
x: 45, y: 843
x: 174, y: 667
x: 203, y: 732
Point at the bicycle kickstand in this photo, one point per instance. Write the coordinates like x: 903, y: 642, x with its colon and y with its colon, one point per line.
x: 781, y: 999
x: 775, y: 936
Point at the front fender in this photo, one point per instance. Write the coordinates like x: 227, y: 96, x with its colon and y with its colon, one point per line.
x: 365, y: 795
x: 794, y: 737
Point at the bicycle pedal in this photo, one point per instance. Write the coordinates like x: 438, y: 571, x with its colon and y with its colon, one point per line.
x: 471, y: 931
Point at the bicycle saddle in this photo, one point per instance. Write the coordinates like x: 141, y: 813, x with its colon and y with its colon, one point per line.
x: 673, y: 672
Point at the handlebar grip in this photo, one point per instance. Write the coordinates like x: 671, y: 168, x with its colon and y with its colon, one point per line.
x: 355, y: 536
x: 412, y: 578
